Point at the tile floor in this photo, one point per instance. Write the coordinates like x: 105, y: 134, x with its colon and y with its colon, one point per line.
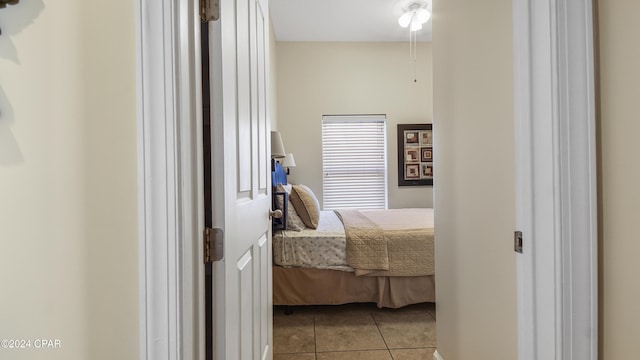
x: 355, y: 331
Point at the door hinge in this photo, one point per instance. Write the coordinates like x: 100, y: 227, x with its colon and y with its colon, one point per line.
x: 209, y: 10
x: 517, y: 241
x: 213, y: 241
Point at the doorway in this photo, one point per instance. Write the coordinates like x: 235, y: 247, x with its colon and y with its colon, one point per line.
x: 162, y: 103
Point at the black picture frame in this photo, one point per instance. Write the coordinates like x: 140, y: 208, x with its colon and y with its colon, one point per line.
x: 415, y: 139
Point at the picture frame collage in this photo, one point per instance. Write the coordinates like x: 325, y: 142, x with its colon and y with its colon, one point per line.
x: 415, y: 155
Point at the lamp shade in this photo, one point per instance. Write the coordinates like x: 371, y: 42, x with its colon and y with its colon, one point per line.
x: 288, y: 161
x: 277, y: 147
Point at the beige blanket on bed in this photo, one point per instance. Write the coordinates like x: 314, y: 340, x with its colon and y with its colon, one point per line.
x: 397, y: 242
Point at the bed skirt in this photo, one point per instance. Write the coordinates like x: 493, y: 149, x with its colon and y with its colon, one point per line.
x: 303, y: 286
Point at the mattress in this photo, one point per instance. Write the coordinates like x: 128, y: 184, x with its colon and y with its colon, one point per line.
x: 322, y: 248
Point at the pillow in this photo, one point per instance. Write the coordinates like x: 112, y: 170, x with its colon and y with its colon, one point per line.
x: 306, y: 204
x: 293, y: 220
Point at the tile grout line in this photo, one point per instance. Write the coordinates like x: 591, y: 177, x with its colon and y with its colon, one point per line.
x: 381, y: 335
x: 315, y: 340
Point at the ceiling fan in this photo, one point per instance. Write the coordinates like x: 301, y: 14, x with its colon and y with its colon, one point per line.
x: 415, y: 13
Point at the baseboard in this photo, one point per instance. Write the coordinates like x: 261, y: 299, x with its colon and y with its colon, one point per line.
x: 437, y: 356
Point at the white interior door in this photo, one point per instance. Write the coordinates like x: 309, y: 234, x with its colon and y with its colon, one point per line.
x: 239, y: 47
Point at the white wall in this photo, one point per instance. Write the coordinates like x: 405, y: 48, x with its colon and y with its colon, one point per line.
x: 620, y: 176
x: 316, y: 79
x: 68, y: 238
x: 474, y: 197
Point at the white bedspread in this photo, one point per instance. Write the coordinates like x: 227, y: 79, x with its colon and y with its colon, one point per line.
x: 322, y: 248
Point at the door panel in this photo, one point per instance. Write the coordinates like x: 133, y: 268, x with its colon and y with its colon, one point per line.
x: 241, y: 182
x: 244, y: 85
x: 262, y: 36
x: 263, y: 283
x: 245, y: 274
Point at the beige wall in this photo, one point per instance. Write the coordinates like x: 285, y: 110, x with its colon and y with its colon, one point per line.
x: 316, y: 79
x: 620, y: 169
x: 68, y: 233
x: 474, y: 200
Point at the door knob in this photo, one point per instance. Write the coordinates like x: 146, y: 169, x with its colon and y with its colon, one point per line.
x: 276, y: 214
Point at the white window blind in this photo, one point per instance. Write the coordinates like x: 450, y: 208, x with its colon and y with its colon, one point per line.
x: 354, y: 162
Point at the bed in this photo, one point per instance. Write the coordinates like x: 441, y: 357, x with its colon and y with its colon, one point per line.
x: 344, y: 261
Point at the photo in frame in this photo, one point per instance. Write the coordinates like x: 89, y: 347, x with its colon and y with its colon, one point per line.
x: 412, y: 171
x: 415, y: 154
x: 426, y: 154
x: 412, y: 154
x: 426, y: 170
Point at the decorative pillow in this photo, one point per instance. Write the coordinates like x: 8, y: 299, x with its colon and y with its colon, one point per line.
x: 306, y: 204
x: 293, y: 220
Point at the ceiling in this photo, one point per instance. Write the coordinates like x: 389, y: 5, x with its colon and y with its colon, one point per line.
x: 341, y: 20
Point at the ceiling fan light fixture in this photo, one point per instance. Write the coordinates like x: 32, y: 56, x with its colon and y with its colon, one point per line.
x: 422, y: 15
x: 415, y: 14
x: 405, y: 19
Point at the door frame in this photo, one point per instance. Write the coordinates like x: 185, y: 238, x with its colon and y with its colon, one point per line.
x: 556, y: 193
x: 547, y: 35
x: 170, y: 182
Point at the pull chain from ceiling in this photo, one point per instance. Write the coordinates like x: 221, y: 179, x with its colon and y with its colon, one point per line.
x: 413, y: 54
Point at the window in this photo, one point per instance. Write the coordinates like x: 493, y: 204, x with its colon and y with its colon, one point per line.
x: 354, y: 162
